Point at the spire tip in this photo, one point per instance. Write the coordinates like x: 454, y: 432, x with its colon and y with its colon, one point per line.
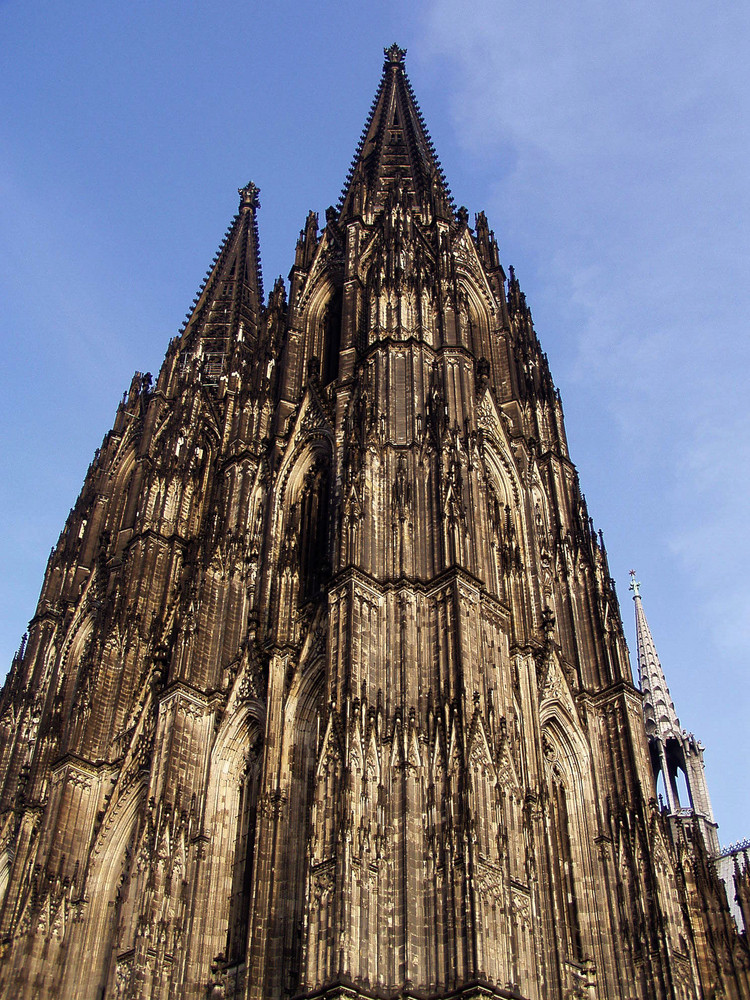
x: 249, y: 196
x: 394, y: 56
x: 634, y: 585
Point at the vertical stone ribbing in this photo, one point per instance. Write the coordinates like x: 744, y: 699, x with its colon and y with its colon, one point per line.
x: 327, y: 692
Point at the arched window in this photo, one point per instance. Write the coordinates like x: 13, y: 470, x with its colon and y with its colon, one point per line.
x: 221, y: 930
x: 562, y: 859
x: 303, y: 725
x: 672, y: 766
x: 239, y: 907
x: 565, y: 833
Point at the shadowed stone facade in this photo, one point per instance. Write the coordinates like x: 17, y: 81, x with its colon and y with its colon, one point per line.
x: 327, y: 692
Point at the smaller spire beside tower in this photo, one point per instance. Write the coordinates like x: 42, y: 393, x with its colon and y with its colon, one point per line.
x: 658, y: 708
x: 672, y: 749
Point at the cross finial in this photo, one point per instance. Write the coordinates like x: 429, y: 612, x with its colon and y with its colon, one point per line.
x: 634, y: 585
x: 394, y: 55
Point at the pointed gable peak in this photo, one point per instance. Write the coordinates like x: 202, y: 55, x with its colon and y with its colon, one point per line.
x: 395, y: 152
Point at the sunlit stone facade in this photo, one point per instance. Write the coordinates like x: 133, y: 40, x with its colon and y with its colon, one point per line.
x: 327, y: 691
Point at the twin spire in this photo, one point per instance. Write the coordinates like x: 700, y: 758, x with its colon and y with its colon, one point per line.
x: 394, y: 151
x: 230, y: 299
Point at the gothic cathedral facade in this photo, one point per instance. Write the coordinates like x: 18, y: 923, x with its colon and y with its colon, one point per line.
x: 327, y: 693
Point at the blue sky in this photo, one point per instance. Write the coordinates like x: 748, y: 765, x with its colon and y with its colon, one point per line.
x: 608, y: 145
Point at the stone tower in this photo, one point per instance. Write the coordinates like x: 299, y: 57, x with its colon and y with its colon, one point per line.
x: 327, y: 693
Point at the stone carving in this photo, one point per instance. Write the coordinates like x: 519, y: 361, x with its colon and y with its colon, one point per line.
x: 327, y: 690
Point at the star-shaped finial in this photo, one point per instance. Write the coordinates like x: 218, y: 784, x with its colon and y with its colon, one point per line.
x: 249, y: 195
x: 394, y: 55
x: 634, y: 585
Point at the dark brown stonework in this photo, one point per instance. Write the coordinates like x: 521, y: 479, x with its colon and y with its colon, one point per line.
x: 327, y: 692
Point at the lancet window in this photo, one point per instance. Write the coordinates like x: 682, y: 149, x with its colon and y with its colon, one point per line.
x: 331, y: 338
x: 563, y: 833
x: 243, y: 857
x: 313, y: 507
x: 562, y: 859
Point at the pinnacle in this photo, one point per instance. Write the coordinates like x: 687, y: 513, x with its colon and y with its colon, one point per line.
x: 231, y: 293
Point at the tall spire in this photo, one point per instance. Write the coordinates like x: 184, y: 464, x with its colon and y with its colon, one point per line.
x: 395, y: 145
x: 228, y: 305
x: 658, y: 708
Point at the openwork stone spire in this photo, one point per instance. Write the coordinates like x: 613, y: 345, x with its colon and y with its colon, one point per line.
x: 672, y: 749
x: 395, y: 148
x: 229, y: 302
x: 658, y: 708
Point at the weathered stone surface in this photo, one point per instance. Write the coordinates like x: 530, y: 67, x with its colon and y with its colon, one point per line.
x: 327, y: 692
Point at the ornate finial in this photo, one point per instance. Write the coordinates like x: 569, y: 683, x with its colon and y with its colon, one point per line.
x: 634, y: 585
x: 249, y: 196
x: 394, y: 55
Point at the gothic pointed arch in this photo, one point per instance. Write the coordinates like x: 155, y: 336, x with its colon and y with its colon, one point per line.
x: 121, y: 475
x: 94, y: 940
x: 475, y: 304
x: 303, y: 727
x: 569, y: 791
x: 504, y: 514
x: 302, y: 517
x: 227, y: 847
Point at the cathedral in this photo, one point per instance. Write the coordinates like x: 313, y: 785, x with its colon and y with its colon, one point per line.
x: 327, y: 694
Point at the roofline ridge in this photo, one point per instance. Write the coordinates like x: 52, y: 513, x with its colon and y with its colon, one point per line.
x: 428, y: 141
